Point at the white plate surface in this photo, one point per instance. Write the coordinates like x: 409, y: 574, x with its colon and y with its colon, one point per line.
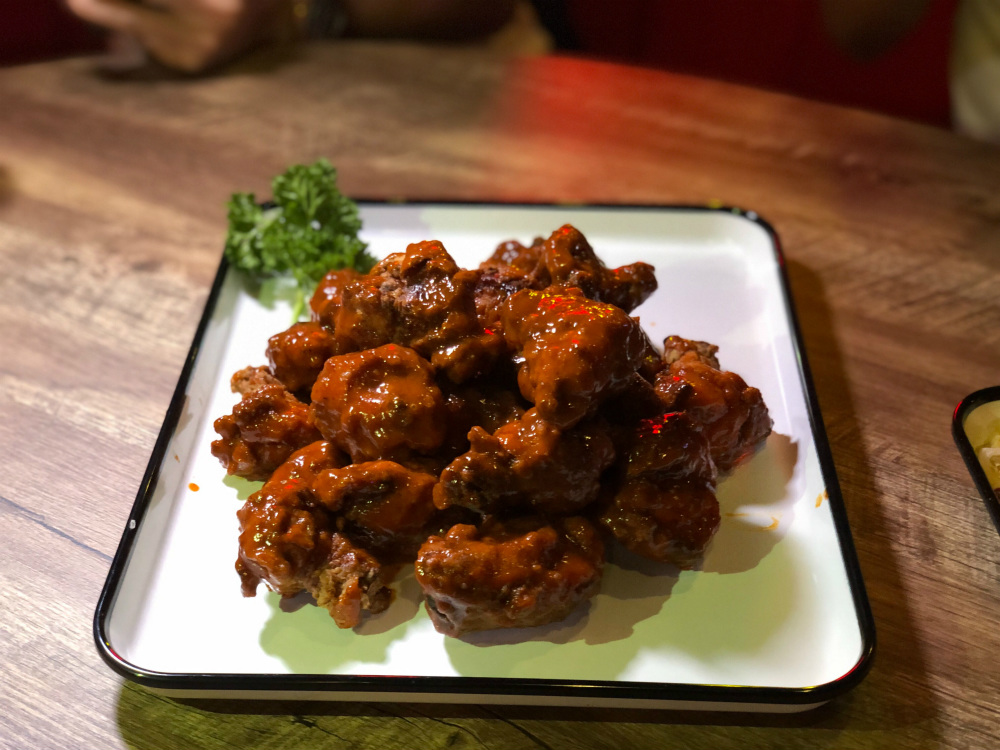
x: 771, y: 606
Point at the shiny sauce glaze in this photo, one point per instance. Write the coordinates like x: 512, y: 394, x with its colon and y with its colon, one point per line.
x: 497, y: 427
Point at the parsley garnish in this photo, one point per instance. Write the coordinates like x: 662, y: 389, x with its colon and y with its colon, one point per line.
x: 309, y: 228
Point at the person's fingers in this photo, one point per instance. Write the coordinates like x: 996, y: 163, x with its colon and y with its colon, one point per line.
x: 190, y: 35
x: 176, y: 48
x: 168, y: 38
x: 188, y: 47
x: 119, y: 15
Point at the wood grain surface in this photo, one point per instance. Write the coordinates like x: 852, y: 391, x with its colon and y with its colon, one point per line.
x: 112, y: 217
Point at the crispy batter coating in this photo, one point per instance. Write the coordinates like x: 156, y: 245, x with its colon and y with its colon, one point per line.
x: 525, y: 574
x: 731, y: 414
x: 511, y: 268
x: 469, y: 420
x: 669, y: 522
x: 384, y: 507
x: 674, y: 347
x: 529, y: 464
x: 574, y: 352
x: 351, y: 583
x: 379, y: 403
x: 250, y: 379
x: 284, y: 531
x: 288, y: 541
x: 264, y: 429
x: 325, y: 302
x: 493, y: 287
x: 565, y: 258
x: 571, y: 261
x: 669, y: 446
x: 423, y: 300
x: 296, y: 355
x: 527, y: 261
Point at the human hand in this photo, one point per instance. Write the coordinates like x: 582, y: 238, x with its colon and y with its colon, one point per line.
x: 193, y: 35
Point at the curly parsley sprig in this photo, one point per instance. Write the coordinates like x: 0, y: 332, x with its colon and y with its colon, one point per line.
x: 309, y: 228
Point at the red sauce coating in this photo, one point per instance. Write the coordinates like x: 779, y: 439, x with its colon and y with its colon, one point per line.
x: 529, y: 573
x: 379, y: 403
x: 731, y: 414
x: 490, y: 424
x: 297, y: 355
x: 264, y: 429
x: 574, y: 352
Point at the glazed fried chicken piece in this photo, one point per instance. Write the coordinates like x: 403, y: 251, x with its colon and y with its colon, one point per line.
x: 379, y: 403
x: 511, y: 268
x: 493, y: 286
x: 297, y: 354
x: 731, y: 414
x: 420, y: 299
x: 564, y: 259
x: 573, y: 351
x: 674, y: 347
x: 351, y: 582
x: 384, y: 507
x: 623, y: 411
x: 250, y: 379
x: 288, y: 541
x: 284, y: 531
x: 514, y: 258
x: 669, y: 446
x: 489, y: 404
x: 284, y: 541
x: 666, y: 522
x: 529, y: 464
x: 524, y: 574
x: 665, y: 507
x: 264, y: 428
x: 325, y: 302
x: 571, y: 261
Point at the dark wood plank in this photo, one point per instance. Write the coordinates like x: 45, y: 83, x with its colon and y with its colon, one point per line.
x: 112, y: 215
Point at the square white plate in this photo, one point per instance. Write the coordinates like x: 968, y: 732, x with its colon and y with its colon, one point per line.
x: 775, y: 619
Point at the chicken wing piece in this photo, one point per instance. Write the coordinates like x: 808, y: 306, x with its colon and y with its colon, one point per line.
x: 665, y: 507
x: 573, y: 351
x: 284, y: 530
x: 524, y: 574
x: 571, y: 261
x: 264, y: 429
x: 288, y: 540
x: 527, y: 261
x: 297, y: 354
x: 528, y: 464
x: 423, y: 300
x: 671, y: 522
x: 384, y: 507
x: 731, y: 414
x: 379, y: 403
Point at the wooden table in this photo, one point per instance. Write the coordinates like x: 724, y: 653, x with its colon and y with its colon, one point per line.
x: 111, y: 222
